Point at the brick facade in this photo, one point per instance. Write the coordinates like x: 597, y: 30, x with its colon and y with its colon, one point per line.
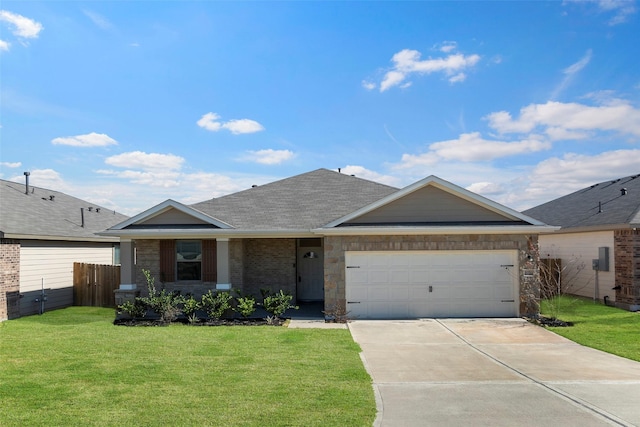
x: 254, y: 264
x: 627, y: 268
x: 9, y: 279
x: 269, y: 264
x: 335, y: 247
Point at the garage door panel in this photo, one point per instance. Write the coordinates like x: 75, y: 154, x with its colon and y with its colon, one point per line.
x: 432, y: 284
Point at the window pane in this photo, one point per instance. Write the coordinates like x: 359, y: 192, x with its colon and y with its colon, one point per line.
x: 189, y: 259
x: 189, y: 250
x: 189, y: 270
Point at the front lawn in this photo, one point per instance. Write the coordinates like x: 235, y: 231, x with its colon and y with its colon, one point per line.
x: 599, y: 326
x: 74, y: 367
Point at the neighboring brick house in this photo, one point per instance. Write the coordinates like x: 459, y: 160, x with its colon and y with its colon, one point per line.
x: 42, y: 233
x: 599, y: 240
x: 431, y: 249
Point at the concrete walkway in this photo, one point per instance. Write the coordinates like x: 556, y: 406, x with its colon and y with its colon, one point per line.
x: 493, y: 372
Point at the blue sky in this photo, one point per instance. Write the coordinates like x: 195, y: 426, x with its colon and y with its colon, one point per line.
x: 128, y: 103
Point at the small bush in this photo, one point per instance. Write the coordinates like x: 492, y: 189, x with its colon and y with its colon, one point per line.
x: 216, y: 304
x: 278, y: 303
x: 245, y: 305
x: 135, y: 309
x: 164, y: 303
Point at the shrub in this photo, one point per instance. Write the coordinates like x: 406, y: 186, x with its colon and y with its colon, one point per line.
x: 190, y: 305
x: 164, y: 303
x: 135, y: 309
x: 216, y: 304
x: 278, y: 303
x: 245, y: 305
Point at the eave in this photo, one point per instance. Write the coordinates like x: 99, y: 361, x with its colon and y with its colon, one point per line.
x: 425, y: 230
x: 206, y: 233
x: 17, y: 236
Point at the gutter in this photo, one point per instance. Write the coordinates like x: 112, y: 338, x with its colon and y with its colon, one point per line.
x: 107, y: 239
x: 360, y: 231
x: 177, y: 233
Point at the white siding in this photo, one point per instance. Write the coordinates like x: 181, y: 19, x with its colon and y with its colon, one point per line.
x: 53, y: 263
x: 579, y: 249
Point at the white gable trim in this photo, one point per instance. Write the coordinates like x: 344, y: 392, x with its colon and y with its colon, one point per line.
x: 441, y: 184
x: 164, y: 207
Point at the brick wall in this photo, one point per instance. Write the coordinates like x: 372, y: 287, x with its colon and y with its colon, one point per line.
x: 254, y: 264
x: 9, y: 279
x: 627, y: 268
x: 270, y: 264
x: 335, y: 247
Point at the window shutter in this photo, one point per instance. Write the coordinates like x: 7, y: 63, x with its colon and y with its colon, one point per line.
x: 209, y: 261
x: 167, y: 260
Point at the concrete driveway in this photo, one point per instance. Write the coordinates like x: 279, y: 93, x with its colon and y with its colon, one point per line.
x: 493, y: 372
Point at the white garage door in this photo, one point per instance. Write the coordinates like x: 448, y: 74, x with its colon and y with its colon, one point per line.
x: 400, y: 285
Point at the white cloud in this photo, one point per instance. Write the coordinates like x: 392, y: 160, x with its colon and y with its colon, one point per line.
x: 621, y: 9
x: 471, y: 147
x: 368, y: 85
x: 570, y: 73
x: 98, y: 19
x: 46, y: 178
x: 23, y: 27
x: 408, y: 62
x: 210, y: 121
x: 89, y: 140
x: 460, y: 77
x: 4, y: 45
x: 268, y: 156
x: 487, y: 189
x: 146, y: 161
x: 447, y: 47
x: 364, y: 173
x: 573, y: 118
x: 11, y: 164
x: 243, y: 126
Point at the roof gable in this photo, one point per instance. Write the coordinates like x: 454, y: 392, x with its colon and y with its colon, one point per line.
x: 436, y: 202
x: 602, y: 205
x: 171, y: 214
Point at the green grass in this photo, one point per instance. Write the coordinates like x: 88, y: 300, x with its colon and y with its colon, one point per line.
x: 598, y: 326
x: 74, y: 367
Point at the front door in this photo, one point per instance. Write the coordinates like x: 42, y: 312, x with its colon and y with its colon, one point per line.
x: 310, y: 270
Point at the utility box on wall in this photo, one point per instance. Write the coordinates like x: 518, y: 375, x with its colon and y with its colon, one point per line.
x: 603, y: 258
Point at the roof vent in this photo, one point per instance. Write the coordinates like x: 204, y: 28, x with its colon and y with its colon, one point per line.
x: 254, y: 186
x: 89, y: 208
x: 97, y: 210
x: 623, y: 191
x: 26, y: 182
x: 52, y: 197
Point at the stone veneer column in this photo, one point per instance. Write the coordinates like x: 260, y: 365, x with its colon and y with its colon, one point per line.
x: 9, y: 279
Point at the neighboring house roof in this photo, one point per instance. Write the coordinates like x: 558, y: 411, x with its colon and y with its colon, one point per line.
x: 45, y: 214
x: 606, y: 205
x: 326, y: 202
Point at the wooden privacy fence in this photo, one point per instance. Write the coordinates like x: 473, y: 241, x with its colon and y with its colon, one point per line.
x: 93, y: 284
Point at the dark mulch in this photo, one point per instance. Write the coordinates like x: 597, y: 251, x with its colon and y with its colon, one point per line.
x: 200, y: 322
x: 549, y: 321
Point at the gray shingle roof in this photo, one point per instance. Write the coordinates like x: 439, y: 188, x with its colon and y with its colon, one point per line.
x: 599, y: 205
x: 302, y: 202
x: 50, y: 214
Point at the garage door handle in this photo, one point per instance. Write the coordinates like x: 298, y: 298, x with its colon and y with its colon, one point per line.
x: 353, y: 266
x: 353, y: 302
x: 508, y: 300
